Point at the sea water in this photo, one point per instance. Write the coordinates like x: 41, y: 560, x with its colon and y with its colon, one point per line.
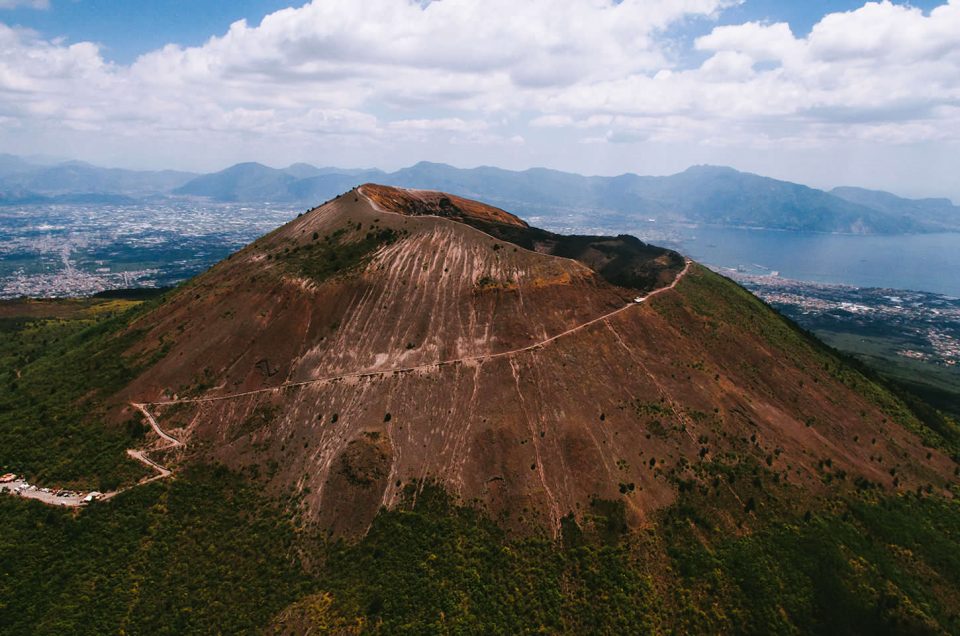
x: 922, y: 262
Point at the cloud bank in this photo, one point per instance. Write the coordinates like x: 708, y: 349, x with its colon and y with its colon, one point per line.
x: 381, y: 73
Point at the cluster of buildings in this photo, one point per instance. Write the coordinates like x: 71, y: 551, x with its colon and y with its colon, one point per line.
x: 926, y: 325
x: 946, y: 346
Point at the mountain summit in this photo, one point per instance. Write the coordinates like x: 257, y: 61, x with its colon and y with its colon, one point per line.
x: 391, y: 338
x: 408, y: 412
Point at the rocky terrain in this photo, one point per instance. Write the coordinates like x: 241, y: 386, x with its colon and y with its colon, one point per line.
x: 382, y: 340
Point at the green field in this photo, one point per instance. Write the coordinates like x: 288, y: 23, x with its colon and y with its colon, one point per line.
x: 937, y: 384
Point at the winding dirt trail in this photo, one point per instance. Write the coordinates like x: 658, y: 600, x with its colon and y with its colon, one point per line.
x: 369, y: 373
x: 421, y: 367
x: 172, y: 441
x: 141, y: 455
x: 77, y: 500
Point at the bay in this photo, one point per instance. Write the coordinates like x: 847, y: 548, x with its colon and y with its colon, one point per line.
x: 921, y: 262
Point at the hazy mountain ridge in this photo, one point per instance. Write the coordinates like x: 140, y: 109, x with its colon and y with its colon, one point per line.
x: 701, y: 194
x: 926, y: 210
x: 22, y: 181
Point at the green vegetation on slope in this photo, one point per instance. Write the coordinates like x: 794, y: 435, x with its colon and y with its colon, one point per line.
x: 205, y: 553
x: 863, y: 566
x: 729, y: 306
x: 325, y: 257
x: 54, y: 375
x: 439, y: 568
x: 199, y: 554
x: 936, y: 385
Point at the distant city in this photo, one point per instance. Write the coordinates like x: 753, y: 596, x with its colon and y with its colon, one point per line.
x: 60, y: 250
x: 913, y: 325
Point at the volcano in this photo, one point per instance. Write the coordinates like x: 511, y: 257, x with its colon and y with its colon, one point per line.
x: 393, y: 338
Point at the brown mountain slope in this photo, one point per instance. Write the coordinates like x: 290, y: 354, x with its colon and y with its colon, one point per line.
x: 373, y: 343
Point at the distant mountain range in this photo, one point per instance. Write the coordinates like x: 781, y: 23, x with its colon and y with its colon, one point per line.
x: 23, y: 181
x: 701, y: 194
x: 935, y: 212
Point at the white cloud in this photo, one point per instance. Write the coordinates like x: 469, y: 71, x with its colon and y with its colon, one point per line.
x: 351, y: 62
x: 883, y: 72
x: 448, y: 123
x: 758, y: 41
x: 552, y: 121
x: 502, y: 71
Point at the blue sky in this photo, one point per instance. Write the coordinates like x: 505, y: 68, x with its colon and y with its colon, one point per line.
x: 821, y: 92
x: 800, y: 14
x: 128, y: 28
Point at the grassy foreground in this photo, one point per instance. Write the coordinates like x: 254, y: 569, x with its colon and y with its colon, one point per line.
x: 205, y: 553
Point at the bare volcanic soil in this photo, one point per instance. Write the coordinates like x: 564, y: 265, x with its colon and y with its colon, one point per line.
x: 389, y: 338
